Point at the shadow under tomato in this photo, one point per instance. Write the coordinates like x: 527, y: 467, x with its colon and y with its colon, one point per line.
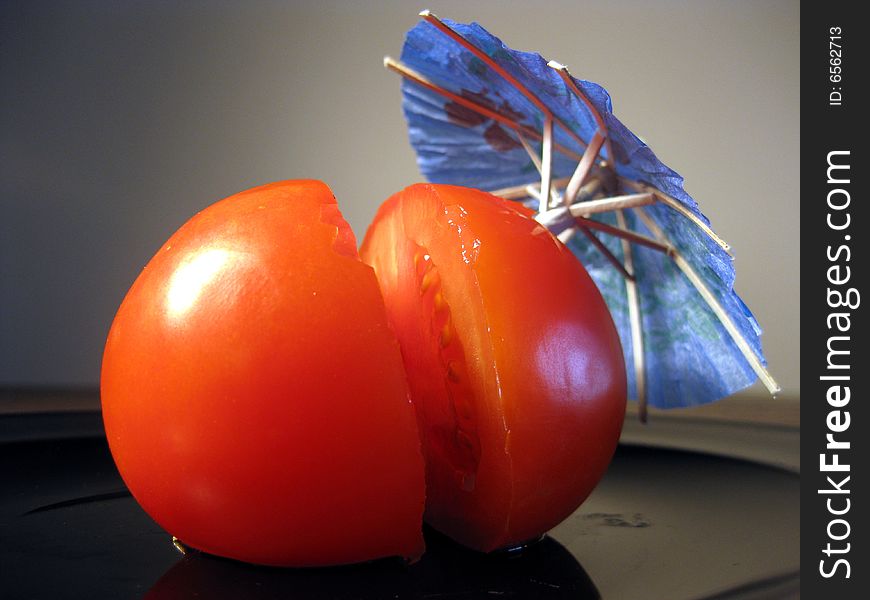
x: 544, y: 569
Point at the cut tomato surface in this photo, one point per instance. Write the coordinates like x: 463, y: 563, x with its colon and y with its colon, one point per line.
x: 514, y: 364
x: 254, y: 395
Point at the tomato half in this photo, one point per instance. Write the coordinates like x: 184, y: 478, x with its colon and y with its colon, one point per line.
x: 254, y: 396
x: 515, y: 366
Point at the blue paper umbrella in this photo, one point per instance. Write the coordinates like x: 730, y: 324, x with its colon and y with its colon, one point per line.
x: 483, y: 115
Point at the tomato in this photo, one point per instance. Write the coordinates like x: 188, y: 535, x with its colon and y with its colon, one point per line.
x: 513, y: 360
x: 254, y: 396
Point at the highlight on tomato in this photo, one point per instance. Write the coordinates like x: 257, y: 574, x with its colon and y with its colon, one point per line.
x: 254, y: 395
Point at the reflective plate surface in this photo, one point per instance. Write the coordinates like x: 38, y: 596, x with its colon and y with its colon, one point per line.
x: 664, y: 523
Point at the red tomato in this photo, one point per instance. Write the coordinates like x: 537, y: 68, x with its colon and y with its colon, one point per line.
x: 254, y: 395
x: 514, y: 363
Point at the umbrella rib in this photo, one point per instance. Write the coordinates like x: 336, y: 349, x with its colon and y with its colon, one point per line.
x: 582, y: 225
x: 591, y: 207
x: 566, y: 235
x: 536, y: 160
x: 680, y: 208
x: 578, y: 178
x: 427, y: 83
x: 717, y: 308
x: 547, y: 145
x: 664, y: 198
x: 635, y: 326
x: 562, y: 70
x: 433, y: 19
x: 624, y: 234
x: 533, y: 193
x: 547, y: 164
x: 520, y: 192
x: 569, y: 81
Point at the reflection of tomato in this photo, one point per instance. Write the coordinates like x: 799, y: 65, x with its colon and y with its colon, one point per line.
x: 254, y: 396
x: 514, y: 363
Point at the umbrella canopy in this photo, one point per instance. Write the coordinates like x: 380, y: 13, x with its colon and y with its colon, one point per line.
x: 483, y: 115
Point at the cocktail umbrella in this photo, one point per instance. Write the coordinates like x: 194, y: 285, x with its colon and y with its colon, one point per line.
x: 483, y: 115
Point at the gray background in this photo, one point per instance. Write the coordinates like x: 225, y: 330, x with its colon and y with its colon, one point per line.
x: 121, y: 120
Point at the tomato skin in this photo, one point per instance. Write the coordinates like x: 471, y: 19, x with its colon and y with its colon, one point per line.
x: 530, y: 335
x: 254, y: 396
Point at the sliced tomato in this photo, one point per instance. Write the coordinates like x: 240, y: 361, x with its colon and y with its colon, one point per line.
x: 254, y: 396
x: 514, y: 364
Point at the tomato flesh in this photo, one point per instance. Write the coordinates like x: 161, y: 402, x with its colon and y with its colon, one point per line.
x: 513, y: 361
x: 254, y: 395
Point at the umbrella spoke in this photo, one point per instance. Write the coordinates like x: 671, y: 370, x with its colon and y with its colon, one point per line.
x: 566, y: 235
x: 536, y: 160
x: 760, y: 370
x: 569, y: 81
x: 624, y: 234
x: 423, y: 81
x: 483, y: 56
x: 591, y: 207
x: 635, y: 325
x: 555, y: 216
x: 679, y: 207
x: 544, y: 167
x: 521, y: 192
x: 604, y: 250
x: 578, y: 178
x: 590, y: 189
x: 547, y: 164
x: 534, y: 192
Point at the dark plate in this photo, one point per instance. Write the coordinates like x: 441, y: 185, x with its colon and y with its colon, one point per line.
x: 664, y: 523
